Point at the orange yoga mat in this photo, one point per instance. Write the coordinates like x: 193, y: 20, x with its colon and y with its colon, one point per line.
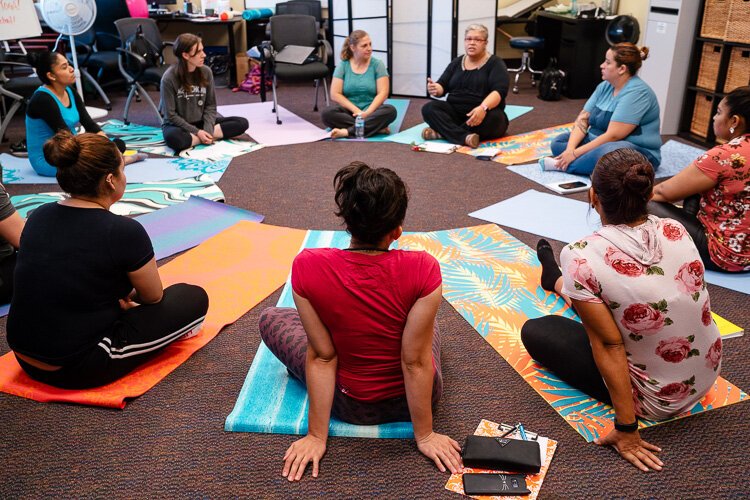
x: 238, y: 268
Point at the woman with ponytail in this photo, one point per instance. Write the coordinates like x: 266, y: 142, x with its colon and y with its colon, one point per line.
x: 364, y: 337
x: 647, y: 344
x: 359, y: 87
x: 88, y: 305
x: 56, y: 106
x: 621, y: 113
x: 188, y: 100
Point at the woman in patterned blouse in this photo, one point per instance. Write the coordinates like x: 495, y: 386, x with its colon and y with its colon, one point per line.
x: 716, y: 191
x: 647, y: 344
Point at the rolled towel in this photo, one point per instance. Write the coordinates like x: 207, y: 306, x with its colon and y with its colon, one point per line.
x: 250, y: 14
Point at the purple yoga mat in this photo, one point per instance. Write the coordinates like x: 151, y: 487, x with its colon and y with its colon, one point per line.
x: 185, y: 225
x: 264, y: 129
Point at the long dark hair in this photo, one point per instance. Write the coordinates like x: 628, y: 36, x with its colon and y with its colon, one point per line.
x: 623, y: 180
x: 184, y: 44
x: 372, y: 201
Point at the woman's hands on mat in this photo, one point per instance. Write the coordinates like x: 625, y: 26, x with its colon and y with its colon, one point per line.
x: 300, y: 453
x: 442, y: 450
x: 632, y: 448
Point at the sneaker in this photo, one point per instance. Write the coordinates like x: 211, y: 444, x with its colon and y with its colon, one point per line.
x: 548, y: 163
x: 429, y: 134
x: 472, y: 140
x: 19, y: 149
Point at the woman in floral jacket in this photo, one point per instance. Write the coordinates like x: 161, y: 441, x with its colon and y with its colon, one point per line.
x: 647, y: 344
x: 716, y: 190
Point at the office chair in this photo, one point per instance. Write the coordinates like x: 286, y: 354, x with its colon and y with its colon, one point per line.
x: 87, y: 55
x: 294, y: 29
x: 135, y: 68
x: 17, y: 89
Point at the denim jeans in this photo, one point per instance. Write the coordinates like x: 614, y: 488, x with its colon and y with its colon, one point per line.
x: 585, y: 163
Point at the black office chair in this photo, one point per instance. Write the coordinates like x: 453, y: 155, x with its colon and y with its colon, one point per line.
x: 136, y: 69
x: 293, y: 29
x: 85, y: 49
x: 16, y: 89
x: 302, y: 7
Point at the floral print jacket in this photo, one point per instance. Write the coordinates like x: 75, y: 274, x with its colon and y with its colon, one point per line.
x: 651, y: 278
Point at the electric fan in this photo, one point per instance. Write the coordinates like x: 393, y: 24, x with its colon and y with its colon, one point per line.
x: 71, y: 18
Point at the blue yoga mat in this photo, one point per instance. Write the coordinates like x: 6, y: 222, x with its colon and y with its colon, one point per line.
x: 401, y: 106
x: 414, y: 134
x: 19, y: 171
x: 568, y: 220
x: 271, y: 401
x: 182, y: 226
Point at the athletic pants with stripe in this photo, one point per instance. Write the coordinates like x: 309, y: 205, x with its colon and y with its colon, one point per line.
x: 138, y: 334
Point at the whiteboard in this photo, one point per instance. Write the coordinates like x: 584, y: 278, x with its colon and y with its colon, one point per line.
x: 18, y: 19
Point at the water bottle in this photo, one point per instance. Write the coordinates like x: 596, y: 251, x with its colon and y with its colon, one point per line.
x: 359, y: 127
x: 573, y: 7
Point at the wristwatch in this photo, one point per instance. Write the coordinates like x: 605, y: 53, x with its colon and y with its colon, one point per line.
x: 484, y: 107
x: 626, y: 427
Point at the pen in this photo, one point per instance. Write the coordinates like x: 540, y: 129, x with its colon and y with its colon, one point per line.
x: 510, y: 431
x: 521, y: 431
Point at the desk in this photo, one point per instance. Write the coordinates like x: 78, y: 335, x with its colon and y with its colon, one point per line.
x: 212, y: 21
x: 579, y: 46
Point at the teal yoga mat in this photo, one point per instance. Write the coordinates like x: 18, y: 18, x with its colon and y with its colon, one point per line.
x: 414, y: 134
x: 401, y: 106
x: 271, y: 401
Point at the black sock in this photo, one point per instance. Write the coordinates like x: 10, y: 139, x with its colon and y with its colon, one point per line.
x: 550, y: 270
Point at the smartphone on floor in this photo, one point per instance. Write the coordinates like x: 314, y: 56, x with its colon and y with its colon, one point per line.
x: 569, y: 187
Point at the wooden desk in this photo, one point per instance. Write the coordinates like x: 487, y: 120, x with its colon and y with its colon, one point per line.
x: 579, y: 46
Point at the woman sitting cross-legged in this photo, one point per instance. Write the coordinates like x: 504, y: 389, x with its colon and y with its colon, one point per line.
x: 57, y: 106
x: 647, y: 343
x: 88, y: 305
x: 364, y: 337
x: 716, y: 191
x: 476, y: 84
x: 188, y: 100
x: 359, y: 87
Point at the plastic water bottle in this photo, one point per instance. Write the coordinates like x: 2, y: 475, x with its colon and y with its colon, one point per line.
x: 359, y: 127
x: 574, y: 7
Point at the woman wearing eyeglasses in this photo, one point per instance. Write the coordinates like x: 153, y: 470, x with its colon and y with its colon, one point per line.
x: 476, y: 84
x: 188, y: 100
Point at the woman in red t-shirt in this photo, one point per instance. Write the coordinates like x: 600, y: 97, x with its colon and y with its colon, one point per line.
x: 363, y: 337
x: 716, y: 191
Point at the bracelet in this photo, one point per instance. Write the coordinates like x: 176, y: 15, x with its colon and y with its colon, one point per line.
x: 626, y: 427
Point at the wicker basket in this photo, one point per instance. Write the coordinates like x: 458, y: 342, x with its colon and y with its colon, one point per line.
x: 738, y: 74
x: 738, y: 22
x: 715, y: 15
x: 709, y: 69
x: 702, y: 114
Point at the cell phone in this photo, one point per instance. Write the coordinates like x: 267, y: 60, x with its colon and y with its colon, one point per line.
x: 568, y: 187
x: 495, y: 484
x: 572, y: 185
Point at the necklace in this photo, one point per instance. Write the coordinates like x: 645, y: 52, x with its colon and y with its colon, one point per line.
x: 367, y: 249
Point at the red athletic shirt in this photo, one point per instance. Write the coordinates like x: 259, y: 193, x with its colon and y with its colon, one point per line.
x: 364, y: 300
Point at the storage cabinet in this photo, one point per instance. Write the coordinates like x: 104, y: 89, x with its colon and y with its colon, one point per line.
x: 720, y: 63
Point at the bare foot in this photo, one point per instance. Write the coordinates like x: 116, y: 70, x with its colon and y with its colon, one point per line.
x: 135, y: 158
x: 385, y: 131
x: 338, y: 133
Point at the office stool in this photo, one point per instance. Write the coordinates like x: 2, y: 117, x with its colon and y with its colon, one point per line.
x: 527, y: 44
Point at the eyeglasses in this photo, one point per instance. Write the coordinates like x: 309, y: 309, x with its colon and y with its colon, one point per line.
x: 469, y: 39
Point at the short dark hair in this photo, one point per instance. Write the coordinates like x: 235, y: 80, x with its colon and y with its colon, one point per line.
x: 372, y: 201
x: 43, y: 62
x: 82, y: 161
x: 623, y: 180
x: 738, y: 102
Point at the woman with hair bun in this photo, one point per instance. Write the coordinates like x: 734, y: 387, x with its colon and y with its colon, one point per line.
x: 647, y: 344
x: 188, y: 100
x: 359, y: 87
x: 716, y: 190
x: 56, y: 106
x: 364, y: 337
x: 88, y: 305
x: 621, y: 113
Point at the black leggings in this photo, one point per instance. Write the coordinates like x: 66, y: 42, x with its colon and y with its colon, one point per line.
x: 339, y: 117
x: 562, y: 346
x: 450, y: 122
x: 180, y: 139
x: 687, y: 217
x: 135, y: 337
x: 7, y: 270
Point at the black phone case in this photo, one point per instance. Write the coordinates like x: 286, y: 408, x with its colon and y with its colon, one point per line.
x: 495, y: 484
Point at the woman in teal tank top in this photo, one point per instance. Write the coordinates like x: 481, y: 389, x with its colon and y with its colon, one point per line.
x: 56, y: 106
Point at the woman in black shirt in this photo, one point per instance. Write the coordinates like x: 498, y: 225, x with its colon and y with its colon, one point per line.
x: 88, y: 305
x: 476, y: 84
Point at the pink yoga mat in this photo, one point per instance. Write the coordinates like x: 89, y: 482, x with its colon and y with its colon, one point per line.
x: 264, y: 130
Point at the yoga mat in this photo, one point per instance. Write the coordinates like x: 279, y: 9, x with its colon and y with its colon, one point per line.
x: 492, y: 280
x: 401, y: 106
x: 727, y: 329
x: 134, y: 136
x: 204, y: 154
x: 271, y: 401
x: 263, y: 127
x: 138, y: 198
x: 522, y: 148
x: 238, y: 268
x: 414, y: 134
x: 19, y: 170
x: 533, y: 481
x: 185, y: 225
x: 569, y: 220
